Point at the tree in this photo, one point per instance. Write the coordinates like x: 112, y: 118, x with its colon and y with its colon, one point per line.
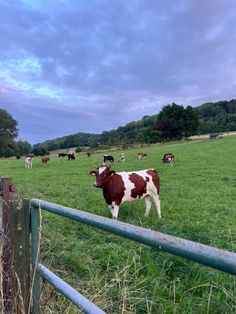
x: 217, y: 117
x: 175, y: 122
x: 8, y: 131
x: 23, y: 147
x: 40, y: 151
x: 191, y: 122
x: 170, y: 121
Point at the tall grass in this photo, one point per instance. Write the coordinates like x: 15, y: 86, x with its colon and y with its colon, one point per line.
x: 198, y: 203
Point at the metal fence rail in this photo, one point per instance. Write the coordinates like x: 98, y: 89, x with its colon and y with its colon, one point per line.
x: 203, y: 254
x: 73, y: 295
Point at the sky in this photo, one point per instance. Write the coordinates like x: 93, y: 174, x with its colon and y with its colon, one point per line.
x: 71, y: 66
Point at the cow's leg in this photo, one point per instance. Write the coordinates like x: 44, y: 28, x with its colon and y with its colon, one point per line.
x: 157, y: 204
x: 148, y: 204
x: 111, y: 208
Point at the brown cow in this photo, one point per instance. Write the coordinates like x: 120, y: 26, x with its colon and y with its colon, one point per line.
x: 120, y: 187
x: 45, y: 160
x: 142, y: 155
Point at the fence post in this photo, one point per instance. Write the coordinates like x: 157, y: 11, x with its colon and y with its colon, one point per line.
x: 22, y: 256
x: 6, y: 190
x: 35, y: 244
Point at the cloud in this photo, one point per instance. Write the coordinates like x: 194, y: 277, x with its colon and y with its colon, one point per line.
x: 74, y: 66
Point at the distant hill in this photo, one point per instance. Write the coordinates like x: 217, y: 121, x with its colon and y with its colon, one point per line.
x: 74, y: 140
x: 213, y: 117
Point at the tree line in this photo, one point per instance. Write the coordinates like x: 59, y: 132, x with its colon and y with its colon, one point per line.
x: 173, y: 122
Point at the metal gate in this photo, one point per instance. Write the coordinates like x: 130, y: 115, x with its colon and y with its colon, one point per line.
x: 203, y: 254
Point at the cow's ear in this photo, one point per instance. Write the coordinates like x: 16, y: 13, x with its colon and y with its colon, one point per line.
x: 111, y: 172
x: 93, y: 173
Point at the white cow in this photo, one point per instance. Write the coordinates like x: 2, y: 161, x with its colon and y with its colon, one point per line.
x: 28, y: 162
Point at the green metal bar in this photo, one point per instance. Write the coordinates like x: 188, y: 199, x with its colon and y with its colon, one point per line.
x: 203, y: 254
x: 74, y: 296
x: 35, y: 242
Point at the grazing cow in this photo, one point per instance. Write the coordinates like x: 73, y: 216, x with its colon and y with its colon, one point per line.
x: 30, y: 155
x: 28, y: 162
x: 109, y: 159
x: 18, y: 156
x: 89, y: 154
x: 168, y: 159
x: 122, y: 157
x: 120, y: 187
x: 62, y: 155
x: 142, y: 155
x: 71, y: 156
x: 45, y: 160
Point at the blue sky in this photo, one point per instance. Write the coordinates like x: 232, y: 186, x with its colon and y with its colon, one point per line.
x: 71, y: 66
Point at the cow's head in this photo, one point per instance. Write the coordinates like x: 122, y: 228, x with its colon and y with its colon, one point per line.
x: 168, y: 158
x: 102, y: 175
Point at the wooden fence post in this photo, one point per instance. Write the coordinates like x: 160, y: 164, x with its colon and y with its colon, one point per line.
x: 22, y: 256
x: 6, y: 189
x: 15, y: 251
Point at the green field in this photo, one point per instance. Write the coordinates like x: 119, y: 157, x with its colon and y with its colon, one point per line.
x: 198, y: 202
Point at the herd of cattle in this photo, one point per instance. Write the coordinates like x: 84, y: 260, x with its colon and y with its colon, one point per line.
x: 168, y: 158
x: 121, y: 187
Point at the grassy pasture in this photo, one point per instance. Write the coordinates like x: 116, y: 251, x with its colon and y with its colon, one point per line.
x: 198, y: 203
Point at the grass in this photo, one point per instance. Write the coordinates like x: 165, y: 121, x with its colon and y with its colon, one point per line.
x: 198, y: 203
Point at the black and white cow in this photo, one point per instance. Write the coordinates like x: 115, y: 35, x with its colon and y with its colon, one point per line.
x: 71, y: 156
x: 108, y: 158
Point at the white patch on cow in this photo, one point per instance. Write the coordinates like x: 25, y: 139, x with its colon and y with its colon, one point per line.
x: 101, y: 169
x: 151, y: 189
x: 128, y: 186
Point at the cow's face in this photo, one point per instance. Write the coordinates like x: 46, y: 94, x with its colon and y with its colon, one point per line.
x: 168, y: 158
x: 102, y: 174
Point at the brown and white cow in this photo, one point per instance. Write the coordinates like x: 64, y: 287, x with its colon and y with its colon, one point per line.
x: 122, y: 157
x: 168, y: 159
x: 142, y: 155
x: 121, y: 187
x: 45, y: 160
